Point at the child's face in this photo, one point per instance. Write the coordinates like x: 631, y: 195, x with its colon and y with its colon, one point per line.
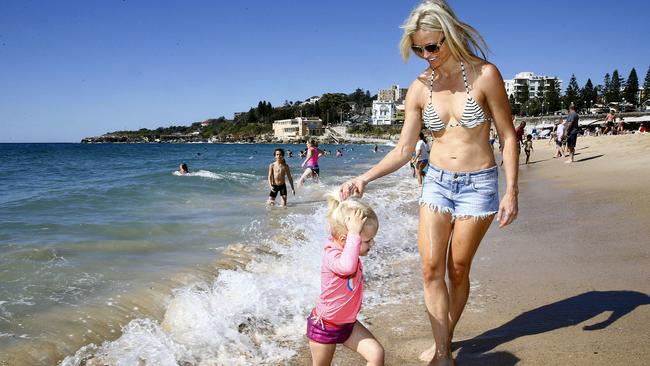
x: 367, y: 238
x: 278, y: 156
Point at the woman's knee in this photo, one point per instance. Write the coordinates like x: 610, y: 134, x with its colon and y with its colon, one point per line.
x: 458, y: 272
x: 432, y: 272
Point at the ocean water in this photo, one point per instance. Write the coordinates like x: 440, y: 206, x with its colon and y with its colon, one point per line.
x: 108, y: 255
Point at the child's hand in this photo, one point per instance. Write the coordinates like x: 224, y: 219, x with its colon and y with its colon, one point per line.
x: 354, y: 222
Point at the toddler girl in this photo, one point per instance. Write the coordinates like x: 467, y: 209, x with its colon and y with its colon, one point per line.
x: 353, y: 225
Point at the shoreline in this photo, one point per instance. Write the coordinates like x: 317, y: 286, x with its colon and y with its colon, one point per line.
x: 559, y: 285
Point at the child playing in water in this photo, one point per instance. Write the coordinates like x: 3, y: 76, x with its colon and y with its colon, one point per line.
x: 277, y: 170
x: 353, y: 225
x: 528, y: 146
x: 312, y: 170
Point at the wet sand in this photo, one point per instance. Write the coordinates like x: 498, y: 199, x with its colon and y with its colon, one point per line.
x: 566, y: 284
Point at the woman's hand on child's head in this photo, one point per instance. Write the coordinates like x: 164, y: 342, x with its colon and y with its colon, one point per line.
x: 354, y: 222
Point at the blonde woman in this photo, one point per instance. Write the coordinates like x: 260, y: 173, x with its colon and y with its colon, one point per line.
x: 459, y: 96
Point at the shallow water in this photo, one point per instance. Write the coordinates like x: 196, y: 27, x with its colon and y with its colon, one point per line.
x: 105, y: 247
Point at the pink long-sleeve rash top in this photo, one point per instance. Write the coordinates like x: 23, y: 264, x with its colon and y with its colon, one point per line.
x: 341, y: 282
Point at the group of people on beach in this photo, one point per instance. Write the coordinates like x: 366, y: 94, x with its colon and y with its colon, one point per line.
x: 459, y: 195
x: 279, y: 169
x: 458, y: 176
x: 565, y: 135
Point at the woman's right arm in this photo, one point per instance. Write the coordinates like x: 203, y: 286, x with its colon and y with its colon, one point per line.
x: 401, y: 153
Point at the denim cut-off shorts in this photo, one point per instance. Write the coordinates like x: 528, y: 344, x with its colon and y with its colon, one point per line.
x: 461, y: 194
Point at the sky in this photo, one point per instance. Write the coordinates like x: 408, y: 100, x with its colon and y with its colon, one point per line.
x: 71, y: 69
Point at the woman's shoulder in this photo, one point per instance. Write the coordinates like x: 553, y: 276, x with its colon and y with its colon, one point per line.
x: 485, y: 70
x: 422, y: 80
x: 488, y: 78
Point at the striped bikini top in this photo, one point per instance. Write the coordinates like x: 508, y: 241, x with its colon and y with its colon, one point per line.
x: 473, y: 115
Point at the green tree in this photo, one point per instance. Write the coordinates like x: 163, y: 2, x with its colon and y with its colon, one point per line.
x: 631, y: 88
x: 540, y: 96
x: 572, y: 93
x: 552, y: 96
x: 361, y: 98
x: 646, y: 85
x: 251, y: 116
x: 588, y: 94
x: 514, y: 107
x: 540, y: 90
x: 615, y: 88
x: 522, y: 98
x: 532, y: 107
x: 332, y: 106
x: 607, y: 85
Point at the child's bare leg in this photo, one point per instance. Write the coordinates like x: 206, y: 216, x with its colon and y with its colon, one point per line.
x: 270, y: 201
x: 284, y: 200
x: 304, y: 176
x: 321, y: 354
x: 364, y: 343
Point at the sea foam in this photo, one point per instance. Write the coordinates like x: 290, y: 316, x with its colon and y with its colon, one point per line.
x: 255, y: 313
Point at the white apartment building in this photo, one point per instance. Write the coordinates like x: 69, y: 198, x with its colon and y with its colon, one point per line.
x: 528, y: 80
x: 298, y: 127
x: 311, y: 100
x: 383, y: 112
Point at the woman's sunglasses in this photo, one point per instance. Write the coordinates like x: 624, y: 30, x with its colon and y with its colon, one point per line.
x: 431, y: 47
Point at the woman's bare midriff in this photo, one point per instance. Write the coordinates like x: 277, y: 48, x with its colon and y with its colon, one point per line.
x: 461, y: 149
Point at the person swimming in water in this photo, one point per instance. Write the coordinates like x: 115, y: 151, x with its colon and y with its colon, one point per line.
x: 183, y: 169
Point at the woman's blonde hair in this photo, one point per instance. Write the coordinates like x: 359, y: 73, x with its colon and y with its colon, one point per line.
x: 338, y: 210
x: 463, y: 41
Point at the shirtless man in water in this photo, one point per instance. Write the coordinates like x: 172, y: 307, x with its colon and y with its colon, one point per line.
x: 277, y: 170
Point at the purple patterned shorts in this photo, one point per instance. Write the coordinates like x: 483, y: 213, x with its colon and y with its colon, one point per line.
x: 327, y: 333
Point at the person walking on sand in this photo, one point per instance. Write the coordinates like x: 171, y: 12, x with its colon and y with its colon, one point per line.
x: 460, y: 195
x: 421, y: 158
x: 353, y: 226
x: 311, y: 160
x: 559, y: 140
x: 519, y: 131
x: 553, y: 133
x: 277, y: 171
x: 528, y: 146
x: 571, y: 132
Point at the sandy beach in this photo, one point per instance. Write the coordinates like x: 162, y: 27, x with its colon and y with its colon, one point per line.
x: 566, y: 284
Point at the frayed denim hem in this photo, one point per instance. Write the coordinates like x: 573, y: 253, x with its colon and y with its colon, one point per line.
x: 436, y: 208
x: 447, y: 210
x: 476, y: 217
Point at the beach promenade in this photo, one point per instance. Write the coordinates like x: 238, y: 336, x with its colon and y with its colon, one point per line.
x: 566, y: 284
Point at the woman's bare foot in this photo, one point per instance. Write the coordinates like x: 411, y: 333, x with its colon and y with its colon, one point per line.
x: 445, y: 362
x: 428, y: 354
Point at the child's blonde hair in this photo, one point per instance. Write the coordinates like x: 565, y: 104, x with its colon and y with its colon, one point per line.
x: 338, y: 210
